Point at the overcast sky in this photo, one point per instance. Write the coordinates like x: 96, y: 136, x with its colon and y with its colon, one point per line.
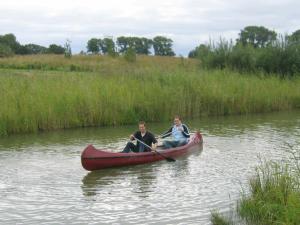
x: 187, y: 22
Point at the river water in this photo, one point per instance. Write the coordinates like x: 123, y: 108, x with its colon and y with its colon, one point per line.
x: 42, y: 180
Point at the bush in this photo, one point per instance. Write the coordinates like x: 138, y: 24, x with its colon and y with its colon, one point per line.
x: 282, y: 57
x: 130, y: 55
x: 242, y: 58
x: 5, y: 51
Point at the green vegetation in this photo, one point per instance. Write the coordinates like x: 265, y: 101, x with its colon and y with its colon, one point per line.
x: 130, y: 55
x: 52, y: 92
x: 56, y: 49
x: 67, y: 49
x: 256, y: 50
x: 218, y: 219
x: 9, y: 46
x: 274, y: 196
x: 141, y: 45
x: 5, y: 51
x: 162, y: 46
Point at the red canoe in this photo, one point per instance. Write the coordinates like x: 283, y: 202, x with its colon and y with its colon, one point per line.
x: 95, y: 159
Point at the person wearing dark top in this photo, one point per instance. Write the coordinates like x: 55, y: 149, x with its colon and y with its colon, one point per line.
x: 180, y: 134
x: 143, y: 135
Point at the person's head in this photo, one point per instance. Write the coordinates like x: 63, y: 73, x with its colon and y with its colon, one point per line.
x: 142, y: 126
x: 177, y: 120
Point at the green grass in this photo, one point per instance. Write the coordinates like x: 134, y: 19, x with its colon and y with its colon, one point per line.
x: 111, y: 91
x: 219, y: 219
x: 274, y: 196
x: 97, y: 63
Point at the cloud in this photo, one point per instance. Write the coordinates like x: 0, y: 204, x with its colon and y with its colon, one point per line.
x: 187, y: 22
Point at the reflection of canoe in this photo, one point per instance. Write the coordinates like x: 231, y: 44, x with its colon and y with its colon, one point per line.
x: 94, y: 159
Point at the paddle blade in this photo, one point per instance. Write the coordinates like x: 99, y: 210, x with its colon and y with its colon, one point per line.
x: 170, y: 159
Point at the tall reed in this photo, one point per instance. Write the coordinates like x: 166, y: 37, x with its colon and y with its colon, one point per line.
x: 273, y: 197
x: 44, y: 100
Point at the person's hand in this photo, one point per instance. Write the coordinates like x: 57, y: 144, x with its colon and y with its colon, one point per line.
x: 153, y: 148
x: 131, y: 137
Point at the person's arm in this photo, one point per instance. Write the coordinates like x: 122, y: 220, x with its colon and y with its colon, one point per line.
x: 185, y: 131
x: 167, y: 133
x: 154, y: 142
x: 133, y: 136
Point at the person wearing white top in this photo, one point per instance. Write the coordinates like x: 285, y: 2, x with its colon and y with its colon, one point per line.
x: 179, y: 133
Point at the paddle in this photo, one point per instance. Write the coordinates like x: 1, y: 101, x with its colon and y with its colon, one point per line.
x: 161, y: 136
x: 167, y: 158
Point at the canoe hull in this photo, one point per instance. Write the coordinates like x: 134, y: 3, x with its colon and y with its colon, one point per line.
x: 94, y: 159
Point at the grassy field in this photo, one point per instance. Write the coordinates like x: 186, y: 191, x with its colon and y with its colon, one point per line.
x: 50, y: 92
x: 103, y: 64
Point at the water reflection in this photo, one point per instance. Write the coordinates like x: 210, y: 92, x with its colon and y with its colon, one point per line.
x: 139, y: 178
x: 95, y: 180
x: 182, y: 165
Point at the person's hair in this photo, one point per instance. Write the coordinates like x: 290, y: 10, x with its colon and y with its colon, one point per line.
x: 177, y: 117
x: 142, y: 123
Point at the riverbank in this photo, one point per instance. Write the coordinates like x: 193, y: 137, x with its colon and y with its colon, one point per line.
x: 117, y: 92
x: 273, y: 198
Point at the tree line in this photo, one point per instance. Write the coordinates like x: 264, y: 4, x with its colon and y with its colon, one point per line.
x: 256, y: 49
x: 161, y: 45
x: 10, y: 46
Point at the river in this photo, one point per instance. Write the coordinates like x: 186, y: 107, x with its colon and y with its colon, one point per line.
x: 43, y: 182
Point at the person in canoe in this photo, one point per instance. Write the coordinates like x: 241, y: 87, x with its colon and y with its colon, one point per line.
x: 179, y: 132
x: 142, y: 135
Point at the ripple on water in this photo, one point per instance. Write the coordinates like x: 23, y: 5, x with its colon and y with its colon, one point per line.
x: 42, y: 181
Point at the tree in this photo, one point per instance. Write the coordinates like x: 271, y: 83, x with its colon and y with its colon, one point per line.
x: 5, y: 51
x: 142, y: 45
x: 68, y: 50
x: 256, y: 36
x: 163, y: 46
x: 93, y: 46
x: 295, y: 37
x: 82, y: 52
x: 34, y: 49
x: 123, y: 44
x: 200, y: 51
x: 193, y: 53
x: 22, y: 50
x: 11, y: 41
x: 31, y: 49
x: 56, y: 49
x: 107, y: 46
